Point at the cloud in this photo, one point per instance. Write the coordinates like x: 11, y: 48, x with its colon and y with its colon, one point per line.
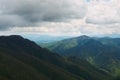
x: 60, y: 17
x: 103, y: 12
x: 30, y: 12
x: 72, y: 28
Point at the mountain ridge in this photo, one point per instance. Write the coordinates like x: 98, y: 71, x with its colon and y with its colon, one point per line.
x: 22, y: 59
x: 102, y: 52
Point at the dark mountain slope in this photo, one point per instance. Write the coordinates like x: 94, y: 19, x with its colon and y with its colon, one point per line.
x: 21, y: 59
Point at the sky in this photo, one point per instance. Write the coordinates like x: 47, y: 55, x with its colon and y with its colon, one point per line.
x: 60, y: 17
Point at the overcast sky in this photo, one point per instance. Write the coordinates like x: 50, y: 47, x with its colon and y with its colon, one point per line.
x: 60, y: 17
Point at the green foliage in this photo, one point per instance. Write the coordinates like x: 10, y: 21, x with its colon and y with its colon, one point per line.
x: 91, y: 60
x: 101, y: 52
x: 117, y: 78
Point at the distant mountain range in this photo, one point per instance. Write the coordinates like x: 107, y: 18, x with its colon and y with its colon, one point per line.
x: 101, y: 52
x: 44, y: 38
x: 22, y: 59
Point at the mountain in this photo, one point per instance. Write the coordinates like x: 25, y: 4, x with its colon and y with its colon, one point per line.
x: 22, y: 59
x: 110, y: 41
x: 101, y: 52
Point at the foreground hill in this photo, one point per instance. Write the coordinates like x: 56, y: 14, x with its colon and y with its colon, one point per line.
x: 101, y: 52
x: 21, y: 59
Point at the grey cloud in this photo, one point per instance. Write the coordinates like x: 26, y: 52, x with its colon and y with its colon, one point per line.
x: 29, y: 12
x: 101, y: 22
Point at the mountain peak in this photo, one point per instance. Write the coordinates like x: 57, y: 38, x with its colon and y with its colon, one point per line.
x: 12, y: 36
x: 83, y: 37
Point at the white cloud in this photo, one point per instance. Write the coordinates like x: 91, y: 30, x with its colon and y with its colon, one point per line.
x: 102, y: 12
x: 73, y: 28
